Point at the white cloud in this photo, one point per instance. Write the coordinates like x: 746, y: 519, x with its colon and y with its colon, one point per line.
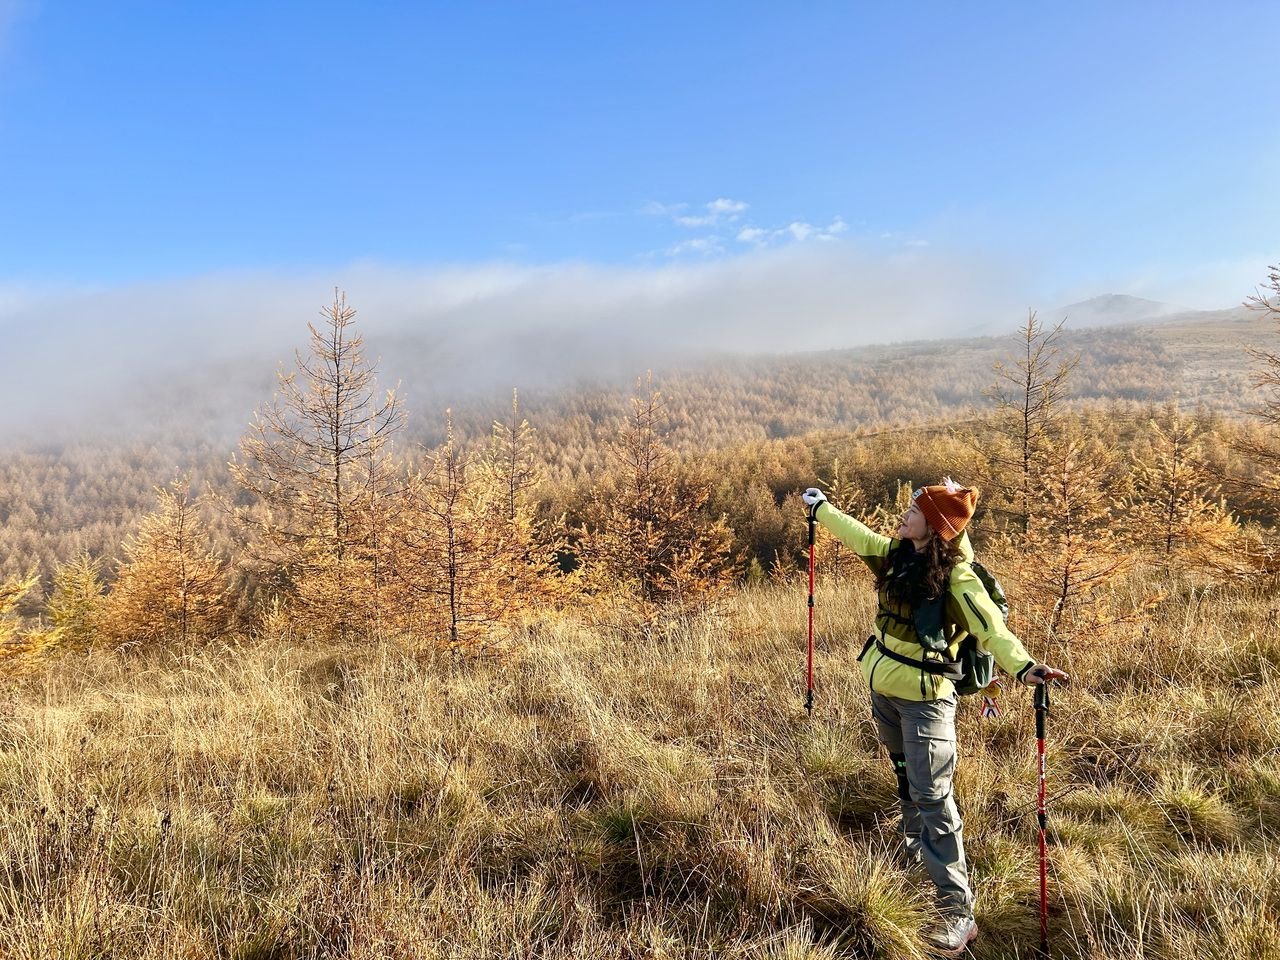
x: 798, y: 231
x: 718, y: 211
x: 704, y: 245
x: 655, y: 209
x: 723, y: 215
x: 725, y: 206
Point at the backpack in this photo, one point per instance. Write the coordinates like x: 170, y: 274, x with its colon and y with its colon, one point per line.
x: 972, y: 670
x: 978, y: 668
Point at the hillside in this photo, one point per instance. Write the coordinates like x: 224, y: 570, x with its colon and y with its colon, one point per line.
x: 57, y: 498
x: 1115, y: 309
x: 208, y: 402
x: 599, y: 792
x: 1210, y: 350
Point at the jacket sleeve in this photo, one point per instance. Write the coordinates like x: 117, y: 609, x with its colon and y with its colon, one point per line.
x: 872, y: 547
x: 980, y: 617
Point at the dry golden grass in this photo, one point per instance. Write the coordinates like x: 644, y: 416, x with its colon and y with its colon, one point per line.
x: 603, y: 791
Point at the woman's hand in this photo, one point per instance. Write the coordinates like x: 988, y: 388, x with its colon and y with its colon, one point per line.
x: 1043, y: 673
x: 812, y: 497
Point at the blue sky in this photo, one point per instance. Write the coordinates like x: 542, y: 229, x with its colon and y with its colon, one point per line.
x: 1087, y: 147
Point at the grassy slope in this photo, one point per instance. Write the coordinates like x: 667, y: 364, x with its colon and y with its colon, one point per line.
x: 598, y: 792
x: 1211, y: 352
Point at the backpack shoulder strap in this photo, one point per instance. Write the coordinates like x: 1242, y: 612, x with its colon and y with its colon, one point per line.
x: 993, y: 588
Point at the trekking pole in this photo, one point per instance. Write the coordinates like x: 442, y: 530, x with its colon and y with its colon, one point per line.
x: 1041, y: 702
x: 808, y: 700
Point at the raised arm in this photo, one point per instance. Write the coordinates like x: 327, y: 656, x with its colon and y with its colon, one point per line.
x: 857, y: 536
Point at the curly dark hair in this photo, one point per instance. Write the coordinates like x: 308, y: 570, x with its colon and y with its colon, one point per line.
x: 914, y: 576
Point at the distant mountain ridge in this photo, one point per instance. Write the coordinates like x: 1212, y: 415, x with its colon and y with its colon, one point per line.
x: 1116, y: 309
x: 1111, y: 310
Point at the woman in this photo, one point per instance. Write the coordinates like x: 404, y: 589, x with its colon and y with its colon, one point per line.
x: 930, y: 600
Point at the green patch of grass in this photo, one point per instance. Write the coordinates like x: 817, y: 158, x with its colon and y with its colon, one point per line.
x: 625, y: 818
x: 1196, y: 813
x: 1253, y: 788
x: 856, y: 790
x: 852, y: 894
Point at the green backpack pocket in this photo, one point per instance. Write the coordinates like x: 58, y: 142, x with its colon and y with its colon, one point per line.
x: 977, y: 668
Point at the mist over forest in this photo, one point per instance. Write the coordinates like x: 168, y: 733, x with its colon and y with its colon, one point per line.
x: 187, y: 361
x: 82, y: 468
x: 119, y: 360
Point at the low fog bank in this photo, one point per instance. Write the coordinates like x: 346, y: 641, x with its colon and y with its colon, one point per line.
x: 200, y: 354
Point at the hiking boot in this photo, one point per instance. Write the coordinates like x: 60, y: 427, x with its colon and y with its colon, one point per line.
x: 950, y: 939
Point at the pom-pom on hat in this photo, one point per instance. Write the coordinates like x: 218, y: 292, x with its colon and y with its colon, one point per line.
x: 947, y: 506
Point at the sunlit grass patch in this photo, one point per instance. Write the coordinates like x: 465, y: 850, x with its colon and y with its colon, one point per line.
x: 856, y: 790
x: 853, y: 895
x: 1195, y: 812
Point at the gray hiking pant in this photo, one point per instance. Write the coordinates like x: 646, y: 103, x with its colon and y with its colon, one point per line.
x: 921, y: 738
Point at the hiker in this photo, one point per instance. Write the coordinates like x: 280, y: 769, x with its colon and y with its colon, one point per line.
x: 930, y: 599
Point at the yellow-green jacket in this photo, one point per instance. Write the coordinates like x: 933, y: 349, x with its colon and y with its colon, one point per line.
x: 969, y: 610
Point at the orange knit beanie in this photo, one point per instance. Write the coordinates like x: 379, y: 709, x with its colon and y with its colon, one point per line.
x: 947, y: 506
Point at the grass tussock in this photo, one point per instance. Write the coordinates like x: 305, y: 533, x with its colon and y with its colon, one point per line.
x: 604, y: 791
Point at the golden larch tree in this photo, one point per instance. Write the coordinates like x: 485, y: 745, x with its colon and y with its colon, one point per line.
x: 317, y: 465
x: 453, y: 549
x: 172, y: 587
x: 1264, y: 450
x: 1174, y: 509
x: 648, y: 534
x: 511, y: 461
x: 76, y: 602
x: 21, y: 650
x: 527, y: 548
x: 1029, y: 394
x: 1072, y: 551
